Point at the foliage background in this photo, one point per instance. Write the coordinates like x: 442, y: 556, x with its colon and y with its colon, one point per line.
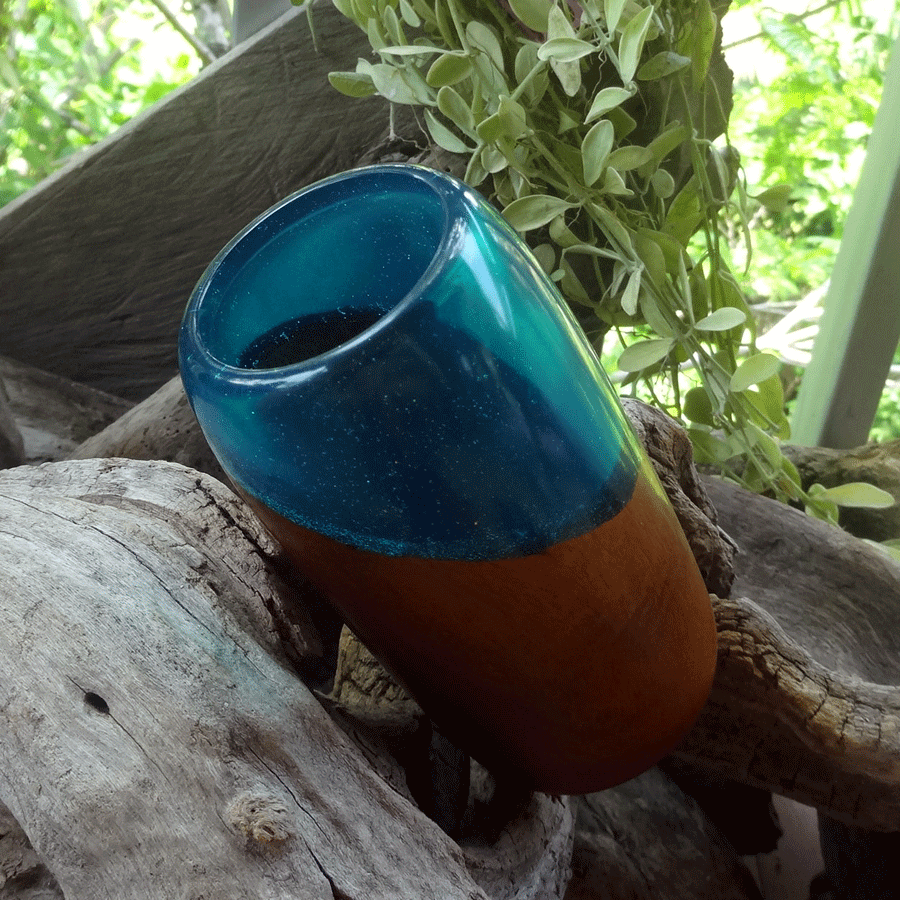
x: 808, y: 84
x: 805, y: 97
x: 72, y: 71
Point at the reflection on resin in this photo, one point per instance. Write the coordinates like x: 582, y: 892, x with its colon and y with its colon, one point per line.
x: 403, y: 397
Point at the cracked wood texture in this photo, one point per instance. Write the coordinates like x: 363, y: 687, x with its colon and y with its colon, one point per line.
x: 155, y: 741
x: 118, y: 238
x: 807, y: 698
x: 805, y: 701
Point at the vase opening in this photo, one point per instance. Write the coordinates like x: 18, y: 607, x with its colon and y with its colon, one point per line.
x: 314, y: 273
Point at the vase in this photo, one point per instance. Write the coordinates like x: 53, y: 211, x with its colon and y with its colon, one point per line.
x: 404, y: 399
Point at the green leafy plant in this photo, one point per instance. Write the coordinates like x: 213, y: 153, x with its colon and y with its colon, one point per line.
x: 68, y: 78
x: 592, y: 126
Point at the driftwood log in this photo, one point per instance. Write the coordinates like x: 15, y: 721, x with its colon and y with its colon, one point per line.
x: 805, y: 699
x: 158, y: 740
x: 804, y: 702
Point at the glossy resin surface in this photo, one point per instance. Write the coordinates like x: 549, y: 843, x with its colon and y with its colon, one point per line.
x: 380, y: 359
x: 403, y: 398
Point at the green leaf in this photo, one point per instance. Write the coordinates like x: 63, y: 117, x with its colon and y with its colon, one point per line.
x: 375, y: 33
x: 767, y: 402
x: 512, y: 114
x: 624, y: 159
x: 612, y: 10
x: 766, y: 444
x: 663, y: 144
x: 392, y: 25
x: 443, y: 136
x: 614, y: 230
x: 558, y: 24
x: 709, y: 449
x: 409, y: 15
x: 566, y: 121
x: 483, y: 38
x: 753, y: 370
x: 572, y: 286
x: 663, y: 184
x: 776, y: 198
x: 654, y: 261
x: 536, y: 85
x: 532, y: 13
x: 698, y: 407
x: 567, y: 73
x: 491, y: 129
x: 569, y: 76
x: 607, y: 99
x: 702, y: 41
x: 661, y: 65
x: 859, y: 494
x: 561, y: 233
x: 545, y: 254
x: 685, y: 212
x: 630, y: 294
x: 653, y: 316
x: 644, y: 354
x: 819, y: 507
x: 614, y: 184
x: 493, y: 160
x: 671, y: 250
x: 533, y: 211
x: 451, y: 68
x: 890, y: 548
x: 722, y: 319
x: 595, y: 149
x: 455, y: 109
x: 632, y: 42
x: 565, y: 49
x: 352, y: 84
x: 409, y: 50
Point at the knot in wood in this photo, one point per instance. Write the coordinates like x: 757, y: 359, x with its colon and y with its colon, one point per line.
x: 263, y: 818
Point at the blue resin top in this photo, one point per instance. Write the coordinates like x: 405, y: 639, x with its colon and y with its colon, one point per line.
x: 468, y: 419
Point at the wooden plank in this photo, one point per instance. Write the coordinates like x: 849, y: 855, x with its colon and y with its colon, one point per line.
x: 97, y: 262
x: 860, y: 324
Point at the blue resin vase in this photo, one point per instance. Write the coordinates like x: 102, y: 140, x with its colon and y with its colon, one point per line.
x: 403, y: 397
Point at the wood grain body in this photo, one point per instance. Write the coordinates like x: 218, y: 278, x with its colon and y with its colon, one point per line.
x: 579, y: 666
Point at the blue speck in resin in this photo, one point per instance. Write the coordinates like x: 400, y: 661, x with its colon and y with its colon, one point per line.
x: 380, y: 359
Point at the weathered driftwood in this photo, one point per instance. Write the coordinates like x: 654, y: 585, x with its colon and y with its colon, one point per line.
x: 807, y: 697
x: 513, y: 844
x: 161, y: 427
x: 645, y: 840
x: 782, y: 714
x: 52, y: 414
x: 12, y: 447
x: 113, y: 243
x: 670, y: 452
x: 155, y: 742
x: 514, y: 841
x: 831, y: 650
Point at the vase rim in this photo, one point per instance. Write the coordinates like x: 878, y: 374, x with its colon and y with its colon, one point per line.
x: 441, y: 185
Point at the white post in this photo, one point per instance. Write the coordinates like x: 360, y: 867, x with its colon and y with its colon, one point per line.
x: 860, y: 325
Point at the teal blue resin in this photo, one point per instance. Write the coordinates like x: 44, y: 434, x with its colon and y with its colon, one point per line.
x: 472, y: 420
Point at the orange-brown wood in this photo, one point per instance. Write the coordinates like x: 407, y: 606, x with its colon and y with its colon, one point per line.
x: 579, y: 666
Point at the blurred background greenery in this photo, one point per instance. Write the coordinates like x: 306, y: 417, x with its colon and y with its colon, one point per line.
x: 808, y: 80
